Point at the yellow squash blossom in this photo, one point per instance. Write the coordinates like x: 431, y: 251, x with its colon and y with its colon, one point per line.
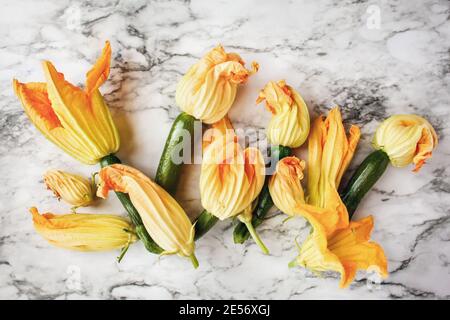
x: 209, y: 88
x: 72, y: 188
x: 230, y: 178
x: 346, y: 251
x: 287, y: 193
x: 289, y: 125
x: 84, y: 232
x: 330, y: 151
x: 329, y: 154
x: 162, y: 216
x: 406, y: 138
x: 285, y: 185
x: 335, y: 243
x: 78, y: 121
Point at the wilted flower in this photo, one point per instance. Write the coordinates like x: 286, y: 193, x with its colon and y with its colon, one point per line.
x: 72, y: 188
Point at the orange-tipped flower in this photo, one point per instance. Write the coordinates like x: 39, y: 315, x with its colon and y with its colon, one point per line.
x: 76, y: 120
x: 163, y: 218
x: 346, y: 251
x: 330, y: 151
x: 289, y: 125
x: 207, y: 91
x: 406, y: 138
x: 84, y: 232
x: 285, y: 185
x: 230, y: 178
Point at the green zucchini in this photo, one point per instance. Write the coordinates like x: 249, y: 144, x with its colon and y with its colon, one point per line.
x: 204, y: 223
x: 240, y: 232
x: 367, y: 174
x: 135, y: 218
x: 168, y: 172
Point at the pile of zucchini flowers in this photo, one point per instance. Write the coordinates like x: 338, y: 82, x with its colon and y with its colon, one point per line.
x: 235, y: 181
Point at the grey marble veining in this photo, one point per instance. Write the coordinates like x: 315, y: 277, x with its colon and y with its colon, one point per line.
x: 333, y: 52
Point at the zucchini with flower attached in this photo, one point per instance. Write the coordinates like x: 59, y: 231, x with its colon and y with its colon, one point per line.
x: 400, y: 140
x: 78, y: 121
x: 205, y: 93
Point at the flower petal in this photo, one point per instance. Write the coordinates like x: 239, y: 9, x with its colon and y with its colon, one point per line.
x: 100, y: 71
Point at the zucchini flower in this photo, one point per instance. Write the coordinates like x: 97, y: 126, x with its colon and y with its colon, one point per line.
x: 72, y: 188
x: 230, y: 178
x: 346, y: 251
x: 162, y: 216
x: 289, y: 125
x: 76, y: 120
x: 84, y: 232
x: 330, y: 151
x: 285, y: 185
x: 209, y: 88
x: 406, y: 138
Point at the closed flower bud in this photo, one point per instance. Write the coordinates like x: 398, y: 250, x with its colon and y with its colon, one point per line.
x: 406, y: 139
x: 207, y: 91
x: 84, y: 232
x: 71, y: 188
x: 162, y: 216
x: 289, y: 125
x: 285, y: 185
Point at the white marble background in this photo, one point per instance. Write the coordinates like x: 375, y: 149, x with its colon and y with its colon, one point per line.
x: 331, y: 51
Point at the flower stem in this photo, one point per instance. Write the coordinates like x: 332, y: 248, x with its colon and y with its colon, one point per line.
x: 292, y: 264
x: 256, y: 237
x: 194, y: 260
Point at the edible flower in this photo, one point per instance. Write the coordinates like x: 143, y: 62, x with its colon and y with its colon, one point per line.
x: 289, y: 125
x: 84, y: 232
x: 230, y: 178
x: 76, y: 120
x: 330, y: 151
x: 406, y: 138
x: 162, y: 216
x: 71, y: 188
x: 207, y: 91
x: 346, y: 251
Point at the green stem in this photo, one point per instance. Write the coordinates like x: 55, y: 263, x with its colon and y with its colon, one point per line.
x: 141, y: 232
x: 256, y: 237
x: 292, y: 264
x: 265, y: 203
x: 194, y: 260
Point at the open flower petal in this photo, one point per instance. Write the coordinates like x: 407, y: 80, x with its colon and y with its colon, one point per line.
x: 346, y: 251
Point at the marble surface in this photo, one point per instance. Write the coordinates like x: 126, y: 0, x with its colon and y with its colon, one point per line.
x: 373, y: 58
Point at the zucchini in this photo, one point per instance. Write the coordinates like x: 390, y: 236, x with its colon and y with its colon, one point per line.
x: 367, y: 174
x: 204, y: 223
x: 240, y: 232
x: 135, y: 218
x: 168, y: 172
